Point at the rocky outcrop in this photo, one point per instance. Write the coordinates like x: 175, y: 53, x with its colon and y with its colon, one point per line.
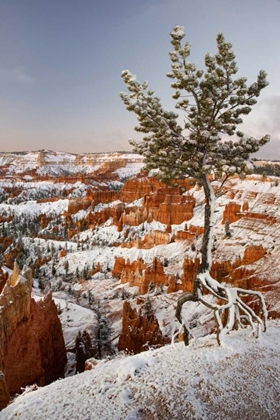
x: 32, y: 345
x: 5, y: 242
x: 3, y: 279
x: 252, y: 254
x: 161, y: 203
x: 10, y: 257
x: 232, y: 212
x: 138, y: 273
x: 4, y: 393
x: 78, y: 204
x: 91, y: 363
x: 150, y: 240
x: 139, y: 332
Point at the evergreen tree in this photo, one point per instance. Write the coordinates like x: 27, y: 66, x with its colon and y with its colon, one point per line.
x: 91, y: 299
x: 213, y: 102
x: 85, y: 272
x: 84, y: 350
x: 37, y: 271
x: 102, y: 335
x: 66, y: 266
x: 151, y: 287
x: 148, y: 311
x: 227, y: 229
x: 53, y: 269
x: 4, y: 230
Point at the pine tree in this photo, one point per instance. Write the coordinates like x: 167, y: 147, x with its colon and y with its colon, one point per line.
x: 148, y: 311
x: 85, y: 272
x: 102, y: 336
x: 227, y: 229
x: 213, y: 102
x: 84, y: 350
x: 66, y: 266
x: 91, y: 298
x: 53, y: 269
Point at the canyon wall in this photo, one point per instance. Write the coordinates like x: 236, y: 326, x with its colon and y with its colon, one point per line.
x: 32, y: 345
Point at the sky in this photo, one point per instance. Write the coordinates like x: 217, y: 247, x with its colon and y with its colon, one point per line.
x: 61, y: 64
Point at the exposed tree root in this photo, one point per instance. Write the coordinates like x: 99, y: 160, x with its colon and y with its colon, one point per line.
x: 238, y: 313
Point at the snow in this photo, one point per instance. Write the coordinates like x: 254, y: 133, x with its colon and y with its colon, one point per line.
x: 73, y: 317
x: 130, y: 170
x: 32, y: 208
x: 60, y: 163
x: 167, y: 383
x: 202, y: 381
x: 130, y: 366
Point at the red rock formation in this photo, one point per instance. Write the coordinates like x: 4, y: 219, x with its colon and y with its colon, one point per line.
x: 100, y: 196
x: 63, y: 253
x: 154, y: 273
x: 139, y: 332
x: 271, y: 220
x: 245, y: 206
x: 189, y: 234
x: 32, y: 345
x: 150, y: 240
x: 4, y: 393
x: 139, y: 274
x: 132, y: 273
x: 189, y: 271
x: 253, y: 253
x: 3, y: 279
x: 168, y: 206
x: 78, y: 204
x: 135, y: 188
x: 48, y: 200
x: 44, y: 221
x: 10, y: 257
x: 5, y: 242
x: 232, y: 212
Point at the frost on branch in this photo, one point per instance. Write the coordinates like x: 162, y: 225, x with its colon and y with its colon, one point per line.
x: 213, y: 102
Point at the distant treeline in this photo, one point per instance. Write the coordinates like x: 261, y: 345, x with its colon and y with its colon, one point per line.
x: 272, y: 169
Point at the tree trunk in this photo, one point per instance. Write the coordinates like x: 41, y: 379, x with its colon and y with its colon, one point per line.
x: 206, y: 257
x: 206, y: 249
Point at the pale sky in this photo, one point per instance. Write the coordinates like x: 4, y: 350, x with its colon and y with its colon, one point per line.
x: 61, y: 62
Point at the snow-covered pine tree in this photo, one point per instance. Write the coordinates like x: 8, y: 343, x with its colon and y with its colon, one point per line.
x: 213, y: 102
x: 148, y: 311
x: 102, y: 334
x: 84, y: 350
x: 66, y: 266
x: 227, y: 229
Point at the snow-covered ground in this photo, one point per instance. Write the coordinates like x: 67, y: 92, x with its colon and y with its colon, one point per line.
x: 203, y: 381
x: 239, y: 380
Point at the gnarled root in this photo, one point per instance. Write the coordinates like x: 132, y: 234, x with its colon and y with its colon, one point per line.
x: 236, y: 308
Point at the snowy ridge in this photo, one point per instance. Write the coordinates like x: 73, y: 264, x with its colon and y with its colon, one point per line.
x: 202, y: 382
x: 64, y: 164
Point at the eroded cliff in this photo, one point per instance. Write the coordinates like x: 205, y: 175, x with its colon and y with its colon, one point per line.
x: 32, y: 345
